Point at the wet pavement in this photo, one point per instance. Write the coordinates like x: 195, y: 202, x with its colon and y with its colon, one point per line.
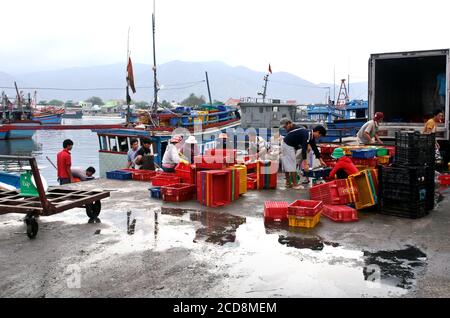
x: 142, y: 247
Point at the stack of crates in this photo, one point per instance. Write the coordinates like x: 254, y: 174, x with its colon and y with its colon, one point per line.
x: 242, y: 172
x: 266, y: 175
x: 214, y: 187
x: 407, y: 189
x: 304, y: 213
x: 228, y: 156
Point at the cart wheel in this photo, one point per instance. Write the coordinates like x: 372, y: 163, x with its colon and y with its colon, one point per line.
x: 32, y: 227
x: 91, y: 211
x: 97, y: 207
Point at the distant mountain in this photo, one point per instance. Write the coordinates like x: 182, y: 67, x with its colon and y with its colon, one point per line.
x: 178, y: 79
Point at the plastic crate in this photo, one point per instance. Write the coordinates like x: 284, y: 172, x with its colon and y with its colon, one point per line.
x: 141, y: 175
x: 235, y: 184
x: 337, y: 192
x: 406, y: 175
x: 276, y: 211
x: 305, y: 208
x: 411, y: 210
x: 348, y: 149
x: 119, y: 175
x: 155, y: 193
x: 242, y: 176
x: 444, y: 179
x: 187, y: 173
x: 414, y: 157
x: 222, y: 155
x: 214, y: 187
x: 368, y: 162
x: 391, y: 150
x: 383, y: 160
x: 251, y: 184
x: 363, y: 184
x: 381, y: 152
x: 340, y: 213
x: 161, y: 181
x: 414, y: 139
x: 327, y: 149
x: 265, y: 179
x: 209, y: 163
x: 305, y: 222
x: 178, y: 192
x: 364, y: 153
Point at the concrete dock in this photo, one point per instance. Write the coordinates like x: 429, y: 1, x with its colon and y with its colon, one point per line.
x: 187, y: 250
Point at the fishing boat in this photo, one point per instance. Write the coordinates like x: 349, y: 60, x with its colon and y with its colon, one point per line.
x: 158, y: 124
x: 48, y: 115
x: 73, y: 112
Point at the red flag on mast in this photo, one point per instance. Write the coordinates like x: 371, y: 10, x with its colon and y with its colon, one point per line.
x: 130, y: 76
x: 270, y: 69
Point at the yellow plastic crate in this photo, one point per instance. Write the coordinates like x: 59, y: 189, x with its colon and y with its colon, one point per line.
x: 384, y: 160
x: 366, y: 197
x: 348, y: 149
x: 242, y: 177
x: 305, y: 222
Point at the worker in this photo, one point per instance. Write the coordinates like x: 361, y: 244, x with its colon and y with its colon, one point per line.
x: 257, y: 147
x: 171, y: 155
x: 144, y: 159
x: 289, y: 164
x: 288, y: 125
x: 344, y: 165
x: 431, y: 125
x: 131, y: 155
x: 369, y: 130
x: 300, y: 139
x: 83, y: 175
x: 190, y: 149
x: 64, y: 163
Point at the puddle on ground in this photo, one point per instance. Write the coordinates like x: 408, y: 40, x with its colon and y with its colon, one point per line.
x: 399, y: 267
x: 218, y: 228
x: 257, y: 260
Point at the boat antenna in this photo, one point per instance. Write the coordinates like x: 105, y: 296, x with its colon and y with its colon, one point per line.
x: 19, y: 100
x: 209, y: 91
x: 128, y: 83
x: 266, y: 79
x: 155, y: 81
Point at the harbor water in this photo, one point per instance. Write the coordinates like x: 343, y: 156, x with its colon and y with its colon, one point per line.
x: 47, y: 143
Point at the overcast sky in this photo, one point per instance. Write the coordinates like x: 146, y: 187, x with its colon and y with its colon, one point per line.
x: 306, y: 38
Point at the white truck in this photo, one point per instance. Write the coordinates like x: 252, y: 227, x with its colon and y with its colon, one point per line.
x: 404, y: 86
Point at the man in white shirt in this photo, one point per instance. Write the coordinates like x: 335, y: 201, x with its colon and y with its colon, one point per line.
x: 82, y: 174
x: 369, y: 130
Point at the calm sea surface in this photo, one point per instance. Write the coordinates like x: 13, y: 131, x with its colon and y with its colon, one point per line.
x: 49, y: 143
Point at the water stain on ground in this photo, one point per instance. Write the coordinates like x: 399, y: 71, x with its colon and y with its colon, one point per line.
x: 218, y: 228
x: 398, y: 266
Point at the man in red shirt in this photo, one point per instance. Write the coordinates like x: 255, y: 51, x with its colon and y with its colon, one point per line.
x: 344, y: 166
x: 64, y: 163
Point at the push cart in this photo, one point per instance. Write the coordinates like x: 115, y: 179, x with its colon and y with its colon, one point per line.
x: 45, y: 204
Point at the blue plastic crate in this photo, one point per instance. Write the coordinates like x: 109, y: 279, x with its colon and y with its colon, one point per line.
x: 119, y: 175
x: 364, y: 153
x: 155, y: 193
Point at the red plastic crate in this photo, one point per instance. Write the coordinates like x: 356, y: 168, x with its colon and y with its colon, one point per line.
x: 276, y: 211
x: 305, y: 208
x: 327, y: 149
x: 209, y: 163
x: 340, y: 213
x: 227, y: 156
x: 337, y: 192
x: 160, y: 181
x: 187, y: 173
x: 141, y: 175
x: 251, y: 184
x: 178, y: 192
x: 391, y: 150
x: 371, y: 162
x: 214, y: 187
x: 444, y: 179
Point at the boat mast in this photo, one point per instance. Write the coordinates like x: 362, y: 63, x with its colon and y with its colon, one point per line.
x: 18, y: 100
x: 128, y: 84
x: 155, y: 81
x: 209, y: 91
